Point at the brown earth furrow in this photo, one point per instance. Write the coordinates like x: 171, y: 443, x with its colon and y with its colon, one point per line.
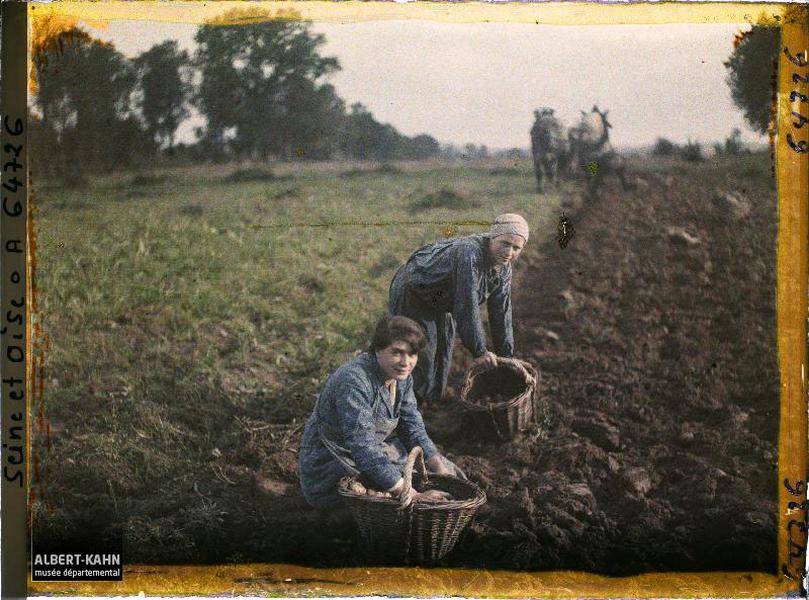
x: 654, y: 333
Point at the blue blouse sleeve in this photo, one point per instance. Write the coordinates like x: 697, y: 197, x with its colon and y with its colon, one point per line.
x: 356, y: 419
x: 466, y: 309
x: 411, y: 426
x: 499, y: 306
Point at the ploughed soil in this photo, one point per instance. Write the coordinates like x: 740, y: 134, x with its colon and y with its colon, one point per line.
x: 654, y: 444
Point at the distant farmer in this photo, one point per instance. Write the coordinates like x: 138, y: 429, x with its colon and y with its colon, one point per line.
x: 365, y: 420
x: 443, y: 285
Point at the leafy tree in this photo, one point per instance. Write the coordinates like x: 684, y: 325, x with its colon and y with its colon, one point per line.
x: 313, y: 119
x: 663, y: 147
x: 473, y: 151
x: 450, y: 151
x: 259, y: 85
x: 733, y: 143
x: 82, y: 95
x: 419, y: 147
x: 515, y: 154
x: 163, y: 90
x: 48, y: 33
x: 751, y: 69
x: 54, y: 126
x: 692, y: 152
x: 43, y: 143
x: 366, y: 138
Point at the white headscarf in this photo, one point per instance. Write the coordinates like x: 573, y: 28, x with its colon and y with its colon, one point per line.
x: 510, y: 223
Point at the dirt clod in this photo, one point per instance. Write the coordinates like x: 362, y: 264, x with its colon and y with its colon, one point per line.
x: 639, y: 479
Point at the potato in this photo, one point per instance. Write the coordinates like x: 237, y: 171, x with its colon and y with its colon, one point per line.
x: 434, y: 496
x: 357, y: 487
x: 378, y: 494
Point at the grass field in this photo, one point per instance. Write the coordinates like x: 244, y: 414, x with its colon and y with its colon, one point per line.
x: 188, y: 309
x: 192, y: 314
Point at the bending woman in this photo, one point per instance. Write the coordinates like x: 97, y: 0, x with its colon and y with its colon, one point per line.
x: 365, y: 420
x: 444, y: 285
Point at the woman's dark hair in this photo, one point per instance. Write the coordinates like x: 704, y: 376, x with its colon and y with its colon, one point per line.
x: 398, y: 329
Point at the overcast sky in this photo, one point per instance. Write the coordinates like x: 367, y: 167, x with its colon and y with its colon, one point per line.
x: 480, y: 82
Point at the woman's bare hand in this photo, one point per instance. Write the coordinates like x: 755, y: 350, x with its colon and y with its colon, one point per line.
x: 530, y: 380
x: 404, y: 493
x: 489, y: 360
x: 437, y: 465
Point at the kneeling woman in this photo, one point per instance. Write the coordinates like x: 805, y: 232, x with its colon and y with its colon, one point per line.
x: 365, y: 420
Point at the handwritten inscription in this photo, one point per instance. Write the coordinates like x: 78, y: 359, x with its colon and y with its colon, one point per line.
x: 800, y: 76
x: 12, y: 327
x: 797, y: 531
x: 796, y: 535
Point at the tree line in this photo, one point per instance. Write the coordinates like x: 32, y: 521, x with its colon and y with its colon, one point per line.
x: 259, y: 84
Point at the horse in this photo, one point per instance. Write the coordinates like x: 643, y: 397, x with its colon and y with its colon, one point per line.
x: 549, y: 147
x: 592, y: 152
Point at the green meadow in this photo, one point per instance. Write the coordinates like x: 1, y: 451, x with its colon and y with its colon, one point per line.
x: 192, y: 314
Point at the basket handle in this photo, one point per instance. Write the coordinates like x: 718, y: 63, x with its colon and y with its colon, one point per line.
x: 519, y: 365
x: 415, y: 457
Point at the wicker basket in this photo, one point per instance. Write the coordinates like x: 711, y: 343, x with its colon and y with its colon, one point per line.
x: 503, y: 419
x: 421, y: 533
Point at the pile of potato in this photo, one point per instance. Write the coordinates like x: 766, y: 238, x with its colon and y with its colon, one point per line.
x: 428, y: 496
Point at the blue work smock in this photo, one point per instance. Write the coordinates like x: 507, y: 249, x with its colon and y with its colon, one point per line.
x: 443, y: 285
x: 454, y: 276
x: 355, y: 429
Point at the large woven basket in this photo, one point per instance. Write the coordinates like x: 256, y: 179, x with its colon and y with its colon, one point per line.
x: 421, y: 533
x: 504, y: 418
